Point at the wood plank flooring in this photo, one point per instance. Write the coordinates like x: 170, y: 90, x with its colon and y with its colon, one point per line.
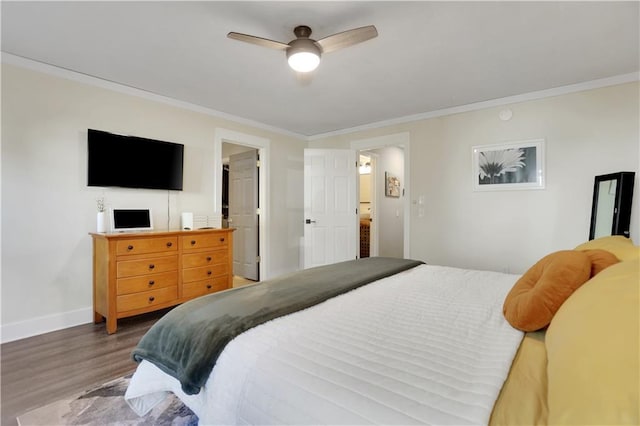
x: 42, y: 369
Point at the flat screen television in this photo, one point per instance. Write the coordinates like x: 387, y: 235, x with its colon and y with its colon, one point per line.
x: 133, y: 162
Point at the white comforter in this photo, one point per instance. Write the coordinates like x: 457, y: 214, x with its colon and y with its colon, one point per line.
x: 427, y: 346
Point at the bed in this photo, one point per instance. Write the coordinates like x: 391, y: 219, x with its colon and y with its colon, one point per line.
x: 424, y: 345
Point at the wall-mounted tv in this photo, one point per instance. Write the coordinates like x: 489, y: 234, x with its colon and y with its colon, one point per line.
x: 133, y: 162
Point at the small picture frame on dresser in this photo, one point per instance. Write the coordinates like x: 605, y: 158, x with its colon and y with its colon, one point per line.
x: 130, y: 220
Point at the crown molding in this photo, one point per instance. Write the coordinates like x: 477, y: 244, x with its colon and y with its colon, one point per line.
x: 68, y: 74
x: 547, y: 93
x: 11, y: 59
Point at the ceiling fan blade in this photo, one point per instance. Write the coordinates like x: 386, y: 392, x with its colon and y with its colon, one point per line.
x: 264, y: 42
x: 347, y: 38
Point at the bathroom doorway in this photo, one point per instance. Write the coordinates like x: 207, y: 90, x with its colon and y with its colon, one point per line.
x: 366, y: 202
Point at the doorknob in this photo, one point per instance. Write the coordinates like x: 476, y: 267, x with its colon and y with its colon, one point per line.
x: 308, y: 221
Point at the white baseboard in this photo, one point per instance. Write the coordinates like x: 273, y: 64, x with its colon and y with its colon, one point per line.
x: 32, y: 327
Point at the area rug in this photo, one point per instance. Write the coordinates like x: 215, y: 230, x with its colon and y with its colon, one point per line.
x: 105, y: 405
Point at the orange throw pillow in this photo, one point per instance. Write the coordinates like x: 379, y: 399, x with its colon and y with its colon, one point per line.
x: 539, y: 293
x: 600, y: 259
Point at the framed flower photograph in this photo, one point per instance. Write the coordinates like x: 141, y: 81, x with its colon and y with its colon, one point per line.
x: 507, y: 166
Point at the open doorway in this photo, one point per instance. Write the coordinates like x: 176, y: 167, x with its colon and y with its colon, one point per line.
x: 240, y: 207
x: 389, y: 198
x: 382, y: 182
x: 233, y: 137
x: 366, y: 210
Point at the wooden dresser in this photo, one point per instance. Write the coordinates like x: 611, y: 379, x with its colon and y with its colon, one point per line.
x: 134, y: 273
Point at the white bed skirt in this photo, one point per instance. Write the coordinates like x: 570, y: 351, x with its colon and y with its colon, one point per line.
x: 427, y: 346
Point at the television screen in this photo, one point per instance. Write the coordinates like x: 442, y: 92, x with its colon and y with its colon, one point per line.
x: 133, y: 162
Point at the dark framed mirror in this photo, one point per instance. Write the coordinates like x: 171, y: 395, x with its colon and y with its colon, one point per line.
x: 611, y: 208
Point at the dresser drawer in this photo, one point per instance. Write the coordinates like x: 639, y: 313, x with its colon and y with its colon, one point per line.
x: 206, y: 258
x: 200, y: 288
x: 146, y: 299
x: 199, y: 241
x: 146, y: 282
x: 204, y: 272
x: 154, y: 265
x: 146, y: 245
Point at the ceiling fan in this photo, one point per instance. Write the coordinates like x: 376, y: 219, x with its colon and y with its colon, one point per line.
x: 303, y: 53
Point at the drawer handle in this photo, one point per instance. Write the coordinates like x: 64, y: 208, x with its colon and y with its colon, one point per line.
x: 169, y: 244
x: 130, y: 247
x: 152, y: 282
x: 209, y: 286
x: 222, y: 240
x: 151, y: 298
x: 208, y: 258
x: 208, y: 272
x: 151, y: 266
x: 193, y: 242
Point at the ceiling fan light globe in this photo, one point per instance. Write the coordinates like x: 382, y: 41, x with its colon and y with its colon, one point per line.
x: 304, y: 61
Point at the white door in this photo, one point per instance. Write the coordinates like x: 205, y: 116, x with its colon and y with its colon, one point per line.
x: 330, y: 230
x: 243, y: 212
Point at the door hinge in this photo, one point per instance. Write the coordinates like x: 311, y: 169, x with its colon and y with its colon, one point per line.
x: 257, y: 259
x: 258, y: 164
x: 258, y: 211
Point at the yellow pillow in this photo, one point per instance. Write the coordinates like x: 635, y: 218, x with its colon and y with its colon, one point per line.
x: 620, y: 246
x: 593, y: 351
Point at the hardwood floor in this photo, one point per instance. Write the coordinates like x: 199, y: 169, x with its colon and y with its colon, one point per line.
x: 42, y: 369
x: 241, y: 281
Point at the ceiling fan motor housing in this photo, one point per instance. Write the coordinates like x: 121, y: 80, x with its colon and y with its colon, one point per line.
x: 302, y: 31
x: 303, y: 45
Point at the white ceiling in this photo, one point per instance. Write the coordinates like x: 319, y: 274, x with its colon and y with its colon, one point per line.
x: 428, y: 56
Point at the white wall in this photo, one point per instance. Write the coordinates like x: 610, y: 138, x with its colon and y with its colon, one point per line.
x: 48, y: 210
x: 587, y: 134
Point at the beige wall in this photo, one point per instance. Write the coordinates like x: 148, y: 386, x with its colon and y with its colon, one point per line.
x: 48, y: 210
x: 587, y: 134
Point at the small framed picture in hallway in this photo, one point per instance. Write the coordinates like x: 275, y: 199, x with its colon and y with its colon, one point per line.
x: 392, y: 185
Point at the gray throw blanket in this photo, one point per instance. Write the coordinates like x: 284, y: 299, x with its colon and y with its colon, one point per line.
x: 187, y: 341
